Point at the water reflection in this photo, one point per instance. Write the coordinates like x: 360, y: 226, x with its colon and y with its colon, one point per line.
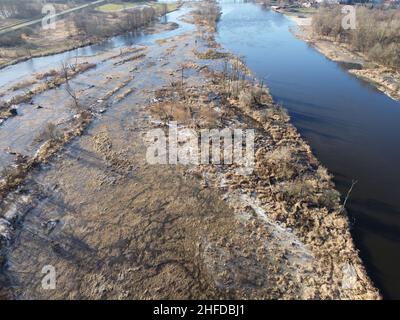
x: 353, y: 129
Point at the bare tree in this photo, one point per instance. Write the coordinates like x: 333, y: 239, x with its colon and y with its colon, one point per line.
x: 377, y: 34
x: 65, y: 68
x: 353, y: 183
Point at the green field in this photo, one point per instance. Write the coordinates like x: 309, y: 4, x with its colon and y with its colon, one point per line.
x: 116, y: 6
x: 170, y: 6
x: 110, y: 7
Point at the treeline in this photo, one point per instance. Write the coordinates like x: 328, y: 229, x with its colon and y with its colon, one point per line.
x: 377, y: 32
x: 208, y: 13
x: 90, y: 22
x: 20, y: 9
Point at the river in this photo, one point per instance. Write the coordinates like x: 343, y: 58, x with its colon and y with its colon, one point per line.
x: 353, y: 129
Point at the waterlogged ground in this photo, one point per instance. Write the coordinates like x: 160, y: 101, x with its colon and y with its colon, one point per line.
x: 114, y: 226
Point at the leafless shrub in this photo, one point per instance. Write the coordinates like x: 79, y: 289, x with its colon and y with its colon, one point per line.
x: 12, y: 39
x: 92, y: 23
x: 299, y: 189
x: 282, y: 163
x: 208, y: 14
x: 307, y: 189
x: 51, y: 73
x: 65, y: 68
x: 275, y: 113
x: 250, y: 97
x: 208, y: 115
x: 323, y: 174
x: 12, y: 176
x: 211, y: 54
x: 50, y: 132
x: 172, y: 111
x: 23, y: 84
x: 281, y: 113
x: 246, y: 99
x: 329, y: 198
x: 377, y: 32
x: 234, y: 88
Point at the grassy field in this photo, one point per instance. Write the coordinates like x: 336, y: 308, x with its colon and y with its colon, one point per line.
x: 116, y: 6
x: 170, y: 6
x: 110, y: 7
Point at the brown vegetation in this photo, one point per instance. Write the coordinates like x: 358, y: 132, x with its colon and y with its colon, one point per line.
x: 207, y: 15
x: 96, y: 24
x: 377, y: 32
x: 13, y: 176
x: 53, y: 78
x: 84, y: 27
x: 20, y: 9
x: 211, y: 54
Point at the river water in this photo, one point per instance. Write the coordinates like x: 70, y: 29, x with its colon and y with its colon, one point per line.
x: 353, y: 129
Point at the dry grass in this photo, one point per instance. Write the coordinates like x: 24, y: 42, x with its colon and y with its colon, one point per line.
x: 234, y: 87
x: 11, y: 177
x: 132, y: 58
x: 51, y: 73
x: 211, y: 54
x: 170, y: 111
x: 50, y: 132
x: 309, y: 189
x: 275, y: 113
x: 376, y: 35
x: 23, y: 84
x: 246, y: 99
x: 250, y: 97
x: 58, y: 79
x: 282, y: 163
x: 208, y: 116
x: 207, y: 15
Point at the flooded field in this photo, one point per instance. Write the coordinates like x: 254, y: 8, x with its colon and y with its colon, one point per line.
x: 85, y: 200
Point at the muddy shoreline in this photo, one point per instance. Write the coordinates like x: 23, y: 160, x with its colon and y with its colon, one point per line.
x: 116, y: 227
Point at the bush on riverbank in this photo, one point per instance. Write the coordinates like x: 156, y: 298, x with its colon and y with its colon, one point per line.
x: 20, y: 9
x: 11, y: 39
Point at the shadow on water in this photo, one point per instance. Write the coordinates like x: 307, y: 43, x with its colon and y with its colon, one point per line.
x: 352, y: 128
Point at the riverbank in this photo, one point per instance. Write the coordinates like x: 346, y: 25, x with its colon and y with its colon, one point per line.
x: 115, y: 226
x: 383, y: 78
